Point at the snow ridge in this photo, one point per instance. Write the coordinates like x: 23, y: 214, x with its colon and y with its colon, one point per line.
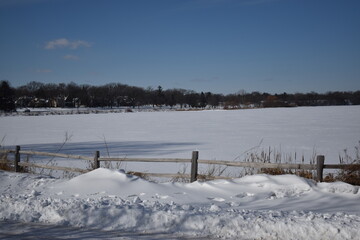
x: 253, y: 207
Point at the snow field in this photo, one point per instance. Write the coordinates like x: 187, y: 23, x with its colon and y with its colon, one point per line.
x: 217, y: 135
x: 253, y: 207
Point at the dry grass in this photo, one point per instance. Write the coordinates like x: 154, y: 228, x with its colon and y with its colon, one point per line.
x: 5, y: 166
x: 4, y: 157
x: 277, y: 171
x: 212, y: 171
x: 182, y: 171
x: 139, y: 174
x: 273, y: 155
x: 350, y: 174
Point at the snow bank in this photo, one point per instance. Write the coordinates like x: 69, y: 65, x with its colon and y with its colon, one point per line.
x: 253, y: 207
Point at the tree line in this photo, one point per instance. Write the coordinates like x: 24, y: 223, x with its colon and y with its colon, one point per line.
x: 36, y: 94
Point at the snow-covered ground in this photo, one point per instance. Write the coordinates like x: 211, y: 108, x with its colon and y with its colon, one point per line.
x: 220, y: 135
x: 252, y: 207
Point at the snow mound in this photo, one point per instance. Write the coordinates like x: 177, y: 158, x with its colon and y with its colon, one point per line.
x: 104, y: 181
x: 279, y: 186
x: 339, y: 187
x: 253, y: 207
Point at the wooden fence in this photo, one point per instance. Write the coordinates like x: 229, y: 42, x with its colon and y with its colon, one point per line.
x: 194, y: 160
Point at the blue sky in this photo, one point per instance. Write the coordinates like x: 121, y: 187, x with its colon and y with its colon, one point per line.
x: 221, y: 46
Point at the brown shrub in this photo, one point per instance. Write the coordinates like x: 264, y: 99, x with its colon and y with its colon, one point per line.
x: 139, y: 174
x: 5, y: 166
x: 278, y: 171
x: 350, y: 175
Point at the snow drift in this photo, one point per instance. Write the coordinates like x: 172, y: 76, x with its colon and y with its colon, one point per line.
x: 252, y: 207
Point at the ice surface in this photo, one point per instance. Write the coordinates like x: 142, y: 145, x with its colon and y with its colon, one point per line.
x: 221, y: 135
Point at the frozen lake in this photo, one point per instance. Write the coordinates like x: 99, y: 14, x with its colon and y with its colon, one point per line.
x: 217, y: 135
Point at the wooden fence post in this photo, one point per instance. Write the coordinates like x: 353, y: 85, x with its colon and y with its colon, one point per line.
x: 194, y: 166
x: 17, y: 159
x: 320, y: 160
x: 96, y: 160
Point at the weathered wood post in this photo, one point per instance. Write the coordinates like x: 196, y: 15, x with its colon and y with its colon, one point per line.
x: 194, y: 166
x: 320, y: 160
x: 17, y: 159
x: 96, y: 160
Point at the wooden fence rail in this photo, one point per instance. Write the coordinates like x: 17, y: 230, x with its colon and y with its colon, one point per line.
x: 47, y: 154
x: 170, y: 160
x: 194, y: 161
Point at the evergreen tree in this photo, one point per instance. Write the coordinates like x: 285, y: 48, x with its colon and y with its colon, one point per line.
x: 7, y: 95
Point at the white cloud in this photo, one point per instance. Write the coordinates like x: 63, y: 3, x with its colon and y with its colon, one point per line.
x: 71, y: 57
x: 79, y: 43
x: 65, y: 43
x: 62, y: 42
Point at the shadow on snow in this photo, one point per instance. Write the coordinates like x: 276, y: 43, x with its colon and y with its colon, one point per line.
x: 19, y: 230
x: 116, y: 149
